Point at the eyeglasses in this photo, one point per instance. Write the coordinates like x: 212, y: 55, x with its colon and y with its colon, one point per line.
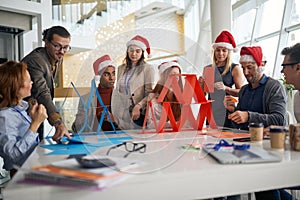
x: 289, y: 64
x: 58, y: 47
x: 130, y: 147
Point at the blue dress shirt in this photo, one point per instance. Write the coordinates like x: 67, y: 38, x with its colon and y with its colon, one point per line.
x: 17, y: 141
x: 252, y: 99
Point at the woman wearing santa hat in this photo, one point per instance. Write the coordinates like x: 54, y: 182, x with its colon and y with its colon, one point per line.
x: 135, y: 79
x: 226, y: 74
x: 165, y: 69
x: 104, y: 69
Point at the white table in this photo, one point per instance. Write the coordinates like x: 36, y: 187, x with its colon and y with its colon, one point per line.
x: 170, y: 173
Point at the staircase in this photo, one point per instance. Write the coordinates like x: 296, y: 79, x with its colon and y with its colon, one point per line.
x: 84, y: 17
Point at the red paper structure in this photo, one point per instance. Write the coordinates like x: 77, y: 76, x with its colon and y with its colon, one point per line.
x: 209, y: 76
x: 192, y: 94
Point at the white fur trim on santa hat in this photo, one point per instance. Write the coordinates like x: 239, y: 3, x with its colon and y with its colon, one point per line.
x: 105, y: 64
x: 137, y: 43
x: 163, y: 67
x: 226, y: 45
x: 247, y: 58
x: 97, y: 79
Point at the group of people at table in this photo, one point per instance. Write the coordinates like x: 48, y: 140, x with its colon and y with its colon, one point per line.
x: 27, y: 91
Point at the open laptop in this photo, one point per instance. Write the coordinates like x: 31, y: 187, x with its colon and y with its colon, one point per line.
x: 251, y: 155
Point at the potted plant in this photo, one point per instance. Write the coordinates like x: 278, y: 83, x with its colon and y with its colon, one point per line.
x: 289, y: 87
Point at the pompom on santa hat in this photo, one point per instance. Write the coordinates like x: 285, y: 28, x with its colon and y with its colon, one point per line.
x: 225, y: 39
x: 140, y: 42
x: 251, y: 54
x: 101, y: 63
x: 166, y: 65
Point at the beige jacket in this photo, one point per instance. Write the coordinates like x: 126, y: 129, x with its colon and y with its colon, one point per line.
x: 141, y: 85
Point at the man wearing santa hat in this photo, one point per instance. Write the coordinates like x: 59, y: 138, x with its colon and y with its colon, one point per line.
x: 104, y: 69
x: 262, y: 100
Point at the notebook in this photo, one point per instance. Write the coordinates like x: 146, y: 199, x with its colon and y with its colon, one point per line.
x: 251, y: 155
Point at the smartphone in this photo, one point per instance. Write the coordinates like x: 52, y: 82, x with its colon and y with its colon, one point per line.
x: 246, y: 139
x: 95, y: 163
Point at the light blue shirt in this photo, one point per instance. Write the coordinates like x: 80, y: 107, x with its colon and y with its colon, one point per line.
x: 17, y: 141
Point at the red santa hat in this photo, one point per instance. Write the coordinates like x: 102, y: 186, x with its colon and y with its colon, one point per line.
x: 225, y: 39
x: 251, y: 54
x: 140, y: 42
x: 102, y: 63
x: 166, y: 65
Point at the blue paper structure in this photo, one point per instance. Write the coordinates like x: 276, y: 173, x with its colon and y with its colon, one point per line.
x: 79, y: 146
x: 87, y: 106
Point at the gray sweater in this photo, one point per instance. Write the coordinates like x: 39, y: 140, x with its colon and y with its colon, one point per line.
x: 274, y: 105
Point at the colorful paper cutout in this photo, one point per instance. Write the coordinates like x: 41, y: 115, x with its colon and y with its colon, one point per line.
x: 73, y: 149
x: 191, y: 92
x: 83, y: 147
x: 227, y: 134
x: 87, y: 106
x: 209, y: 76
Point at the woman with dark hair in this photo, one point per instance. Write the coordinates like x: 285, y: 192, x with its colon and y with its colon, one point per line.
x: 165, y: 69
x: 134, y: 82
x: 19, y: 121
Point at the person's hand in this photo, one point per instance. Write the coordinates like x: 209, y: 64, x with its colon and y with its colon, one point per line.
x: 201, y: 79
x: 220, y: 86
x: 229, y: 103
x: 135, y: 115
x: 60, y: 131
x: 239, y: 117
x: 106, y: 118
x: 267, y: 131
x: 38, y: 114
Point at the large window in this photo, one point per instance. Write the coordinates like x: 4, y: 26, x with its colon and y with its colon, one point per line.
x: 269, y: 47
x: 243, y: 26
x: 295, y: 18
x: 271, y: 17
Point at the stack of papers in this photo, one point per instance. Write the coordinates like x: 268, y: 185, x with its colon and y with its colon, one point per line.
x: 70, y: 173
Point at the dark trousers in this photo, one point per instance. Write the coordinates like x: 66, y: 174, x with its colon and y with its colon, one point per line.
x: 279, y: 194
x: 140, y: 121
x: 41, y: 131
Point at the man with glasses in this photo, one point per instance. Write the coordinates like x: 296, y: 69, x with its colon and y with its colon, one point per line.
x: 291, y: 71
x: 44, y: 64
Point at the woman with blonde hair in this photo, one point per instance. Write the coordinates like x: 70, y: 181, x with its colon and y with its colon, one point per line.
x: 226, y: 74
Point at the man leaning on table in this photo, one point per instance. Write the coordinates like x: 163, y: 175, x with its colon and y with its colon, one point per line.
x: 44, y: 64
x: 263, y: 99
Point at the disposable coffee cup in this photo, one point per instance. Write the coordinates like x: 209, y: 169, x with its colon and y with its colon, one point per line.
x: 277, y: 137
x: 294, y: 133
x: 256, y: 131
